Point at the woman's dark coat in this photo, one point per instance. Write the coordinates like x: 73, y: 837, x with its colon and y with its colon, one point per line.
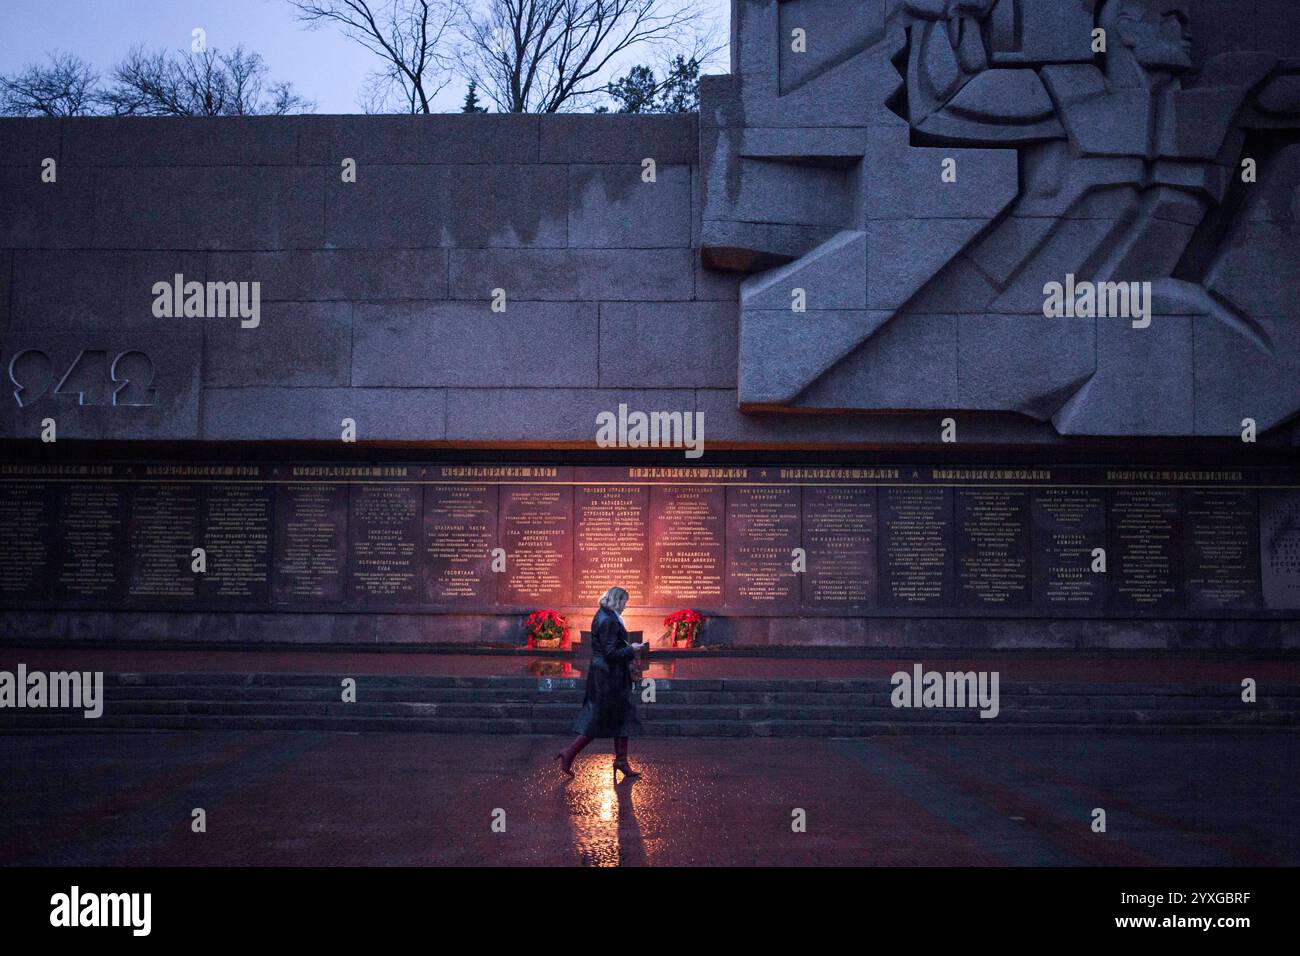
x: 609, y: 709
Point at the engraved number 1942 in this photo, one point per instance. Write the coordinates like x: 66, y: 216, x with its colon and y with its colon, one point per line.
x: 92, y: 378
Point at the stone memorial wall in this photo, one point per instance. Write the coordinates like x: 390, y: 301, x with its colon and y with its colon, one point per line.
x: 819, y: 172
x: 815, y: 177
x: 739, y: 541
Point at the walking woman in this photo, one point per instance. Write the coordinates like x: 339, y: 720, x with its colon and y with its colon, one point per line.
x: 609, y: 709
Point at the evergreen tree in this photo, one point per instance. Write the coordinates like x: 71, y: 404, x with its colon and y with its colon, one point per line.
x: 640, y: 92
x: 472, y: 100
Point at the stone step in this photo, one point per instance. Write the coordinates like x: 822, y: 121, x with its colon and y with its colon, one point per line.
x: 1102, y: 698
x: 668, y: 707
x: 763, y: 685
x: 725, y: 707
x: 664, y: 685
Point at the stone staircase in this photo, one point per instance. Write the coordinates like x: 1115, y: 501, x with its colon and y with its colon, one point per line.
x: 768, y: 707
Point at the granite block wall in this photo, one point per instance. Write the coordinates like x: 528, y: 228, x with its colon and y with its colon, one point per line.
x: 466, y: 282
x: 376, y: 294
x: 918, y: 172
x: 377, y: 289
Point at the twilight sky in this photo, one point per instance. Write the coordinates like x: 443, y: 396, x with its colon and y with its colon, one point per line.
x: 321, y: 63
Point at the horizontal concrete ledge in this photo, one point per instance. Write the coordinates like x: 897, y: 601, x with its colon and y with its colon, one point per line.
x: 315, y: 447
x: 850, y: 636
x: 578, y: 653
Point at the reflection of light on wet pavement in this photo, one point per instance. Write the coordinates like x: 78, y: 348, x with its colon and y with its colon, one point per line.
x: 603, y: 816
x: 562, y: 669
x: 634, y: 822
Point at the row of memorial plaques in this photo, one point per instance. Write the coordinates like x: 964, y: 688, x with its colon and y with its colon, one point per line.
x: 747, y: 547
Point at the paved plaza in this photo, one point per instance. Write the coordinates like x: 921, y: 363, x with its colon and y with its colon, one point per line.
x: 415, y: 799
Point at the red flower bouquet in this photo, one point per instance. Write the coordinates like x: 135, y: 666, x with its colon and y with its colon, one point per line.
x: 546, y: 629
x: 683, y: 626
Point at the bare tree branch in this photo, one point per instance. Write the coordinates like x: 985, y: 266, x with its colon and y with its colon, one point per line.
x: 412, y: 37
x: 67, y: 86
x: 209, y: 83
x: 547, y: 56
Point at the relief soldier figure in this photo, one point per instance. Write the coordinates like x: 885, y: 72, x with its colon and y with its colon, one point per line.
x: 1130, y: 166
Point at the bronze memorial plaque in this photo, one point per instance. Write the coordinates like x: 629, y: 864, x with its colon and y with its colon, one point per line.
x: 735, y: 540
x: 90, y: 560
x: 839, y: 534
x: 460, y: 532
x: 236, y: 521
x: 763, y: 531
x: 687, y: 556
x: 537, y: 534
x: 916, y: 547
x: 993, y: 547
x: 311, y: 534
x: 610, y: 545
x: 1069, y: 538
x: 162, y: 531
x: 385, y: 532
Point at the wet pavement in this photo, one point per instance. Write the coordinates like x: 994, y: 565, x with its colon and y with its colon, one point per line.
x: 416, y: 799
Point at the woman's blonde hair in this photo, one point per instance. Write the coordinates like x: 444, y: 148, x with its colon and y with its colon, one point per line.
x: 613, y: 598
